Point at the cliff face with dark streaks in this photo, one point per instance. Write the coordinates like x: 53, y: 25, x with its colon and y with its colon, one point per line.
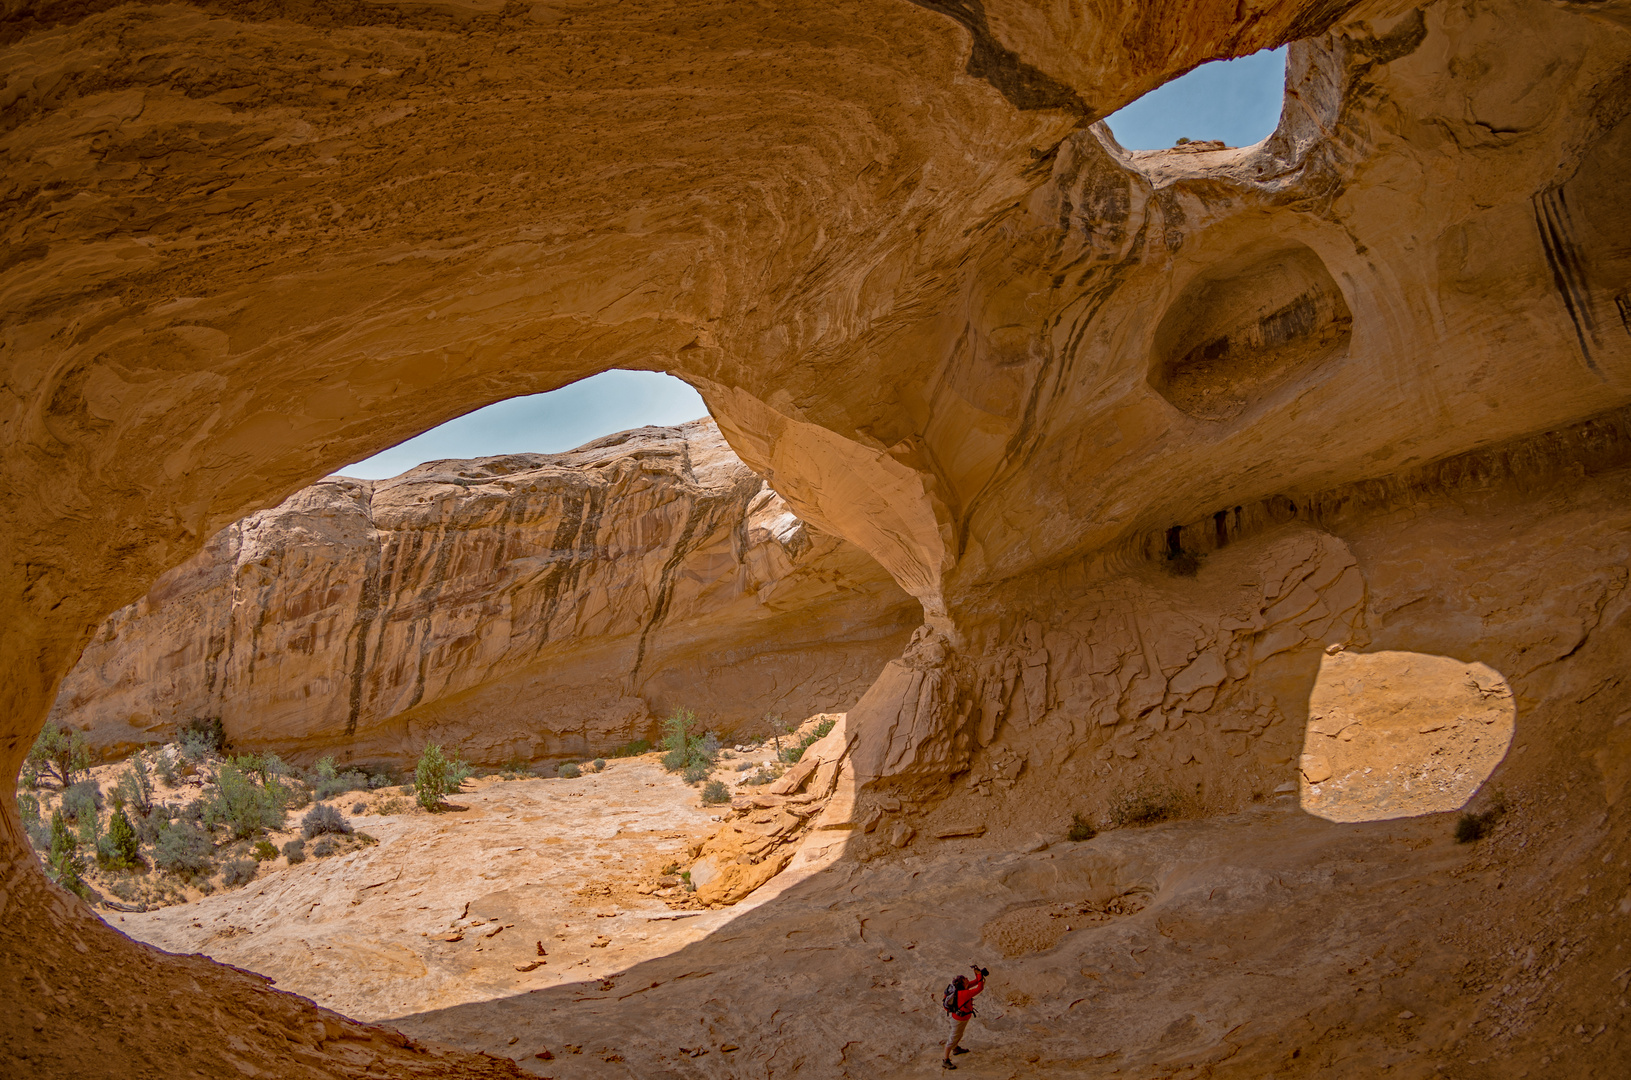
x: 540, y: 605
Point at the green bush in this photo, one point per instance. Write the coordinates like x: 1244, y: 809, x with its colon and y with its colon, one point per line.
x: 263, y: 850
x: 633, y: 749
x: 166, y: 770
x: 183, y: 848
x: 244, y: 807
x: 126, y: 847
x: 763, y: 776
x: 324, y: 769
x: 60, y: 751
x: 295, y: 851
x: 65, y: 865
x: 685, y: 752
x: 201, y: 737
x: 39, y: 833
x: 792, y: 754
x: 135, y: 787
x: 324, y: 848
x: 569, y: 771
x: 715, y: 791
x: 695, y: 774
x: 239, y: 872
x: 321, y: 819
x: 82, y: 800
x: 600, y: 764
x: 348, y: 781
x: 1081, y: 829
x: 437, y: 775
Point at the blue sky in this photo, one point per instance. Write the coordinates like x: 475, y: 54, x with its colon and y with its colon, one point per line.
x: 1237, y: 101
x: 545, y: 423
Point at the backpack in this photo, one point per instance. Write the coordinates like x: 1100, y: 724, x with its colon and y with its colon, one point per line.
x: 948, y: 1000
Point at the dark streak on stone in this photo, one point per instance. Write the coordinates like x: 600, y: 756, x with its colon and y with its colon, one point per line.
x: 1567, y: 267
x: 1025, y: 86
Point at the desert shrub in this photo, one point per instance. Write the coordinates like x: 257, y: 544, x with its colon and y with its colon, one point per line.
x: 792, y: 754
x: 296, y: 796
x: 135, y: 786
x: 695, y: 774
x: 348, y: 781
x: 81, y: 800
x: 391, y: 805
x: 324, y: 769
x: 778, y: 728
x: 515, y: 768
x: 600, y: 764
x: 243, y: 806
x: 321, y: 819
x: 1146, y: 805
x: 743, y: 766
x: 64, y: 864
x: 39, y: 833
x: 238, y: 872
x: 380, y: 780
x: 633, y: 749
x: 166, y: 770
x: 685, y: 752
x: 359, y: 808
x: 59, y: 751
x: 569, y: 771
x: 262, y: 851
x: 715, y: 791
x: 124, y: 845
x: 200, y: 737
x: 436, y: 775
x: 295, y: 851
x: 183, y: 848
x: 148, y: 826
x: 763, y: 776
x: 204, y: 885
x: 193, y: 810
x: 365, y: 839
x: 1081, y: 829
x: 324, y: 848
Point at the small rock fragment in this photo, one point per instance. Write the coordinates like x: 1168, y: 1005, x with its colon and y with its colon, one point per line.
x: 1315, y: 768
x: 600, y: 942
x: 544, y: 1055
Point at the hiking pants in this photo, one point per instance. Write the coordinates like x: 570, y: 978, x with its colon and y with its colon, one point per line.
x: 955, y: 1036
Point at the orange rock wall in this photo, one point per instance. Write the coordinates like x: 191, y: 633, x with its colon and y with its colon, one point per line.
x: 531, y: 605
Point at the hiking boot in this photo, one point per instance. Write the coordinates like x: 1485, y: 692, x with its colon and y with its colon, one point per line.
x: 945, y: 1063
x: 959, y: 1050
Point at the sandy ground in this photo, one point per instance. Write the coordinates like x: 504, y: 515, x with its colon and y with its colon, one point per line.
x: 1265, y: 943
x: 554, y: 863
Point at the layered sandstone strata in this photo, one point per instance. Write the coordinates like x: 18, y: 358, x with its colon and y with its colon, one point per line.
x: 941, y: 310
x: 534, y: 604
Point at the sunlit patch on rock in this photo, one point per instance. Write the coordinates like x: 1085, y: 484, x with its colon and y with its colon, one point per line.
x: 1398, y: 734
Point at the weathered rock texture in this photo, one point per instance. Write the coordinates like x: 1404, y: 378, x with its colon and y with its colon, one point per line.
x: 950, y: 321
x: 540, y: 605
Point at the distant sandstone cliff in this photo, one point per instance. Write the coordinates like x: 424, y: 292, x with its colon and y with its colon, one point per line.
x: 532, y: 604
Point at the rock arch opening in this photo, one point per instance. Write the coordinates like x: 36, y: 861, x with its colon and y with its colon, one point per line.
x: 1223, y: 104
x: 1245, y: 326
x: 548, y: 423
x: 1396, y: 734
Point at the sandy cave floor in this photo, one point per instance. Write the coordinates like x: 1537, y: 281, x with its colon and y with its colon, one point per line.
x: 1264, y: 943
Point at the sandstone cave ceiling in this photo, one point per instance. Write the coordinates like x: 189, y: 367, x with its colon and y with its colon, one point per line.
x: 921, y: 291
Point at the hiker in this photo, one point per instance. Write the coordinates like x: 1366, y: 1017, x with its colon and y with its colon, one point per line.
x: 959, y: 1006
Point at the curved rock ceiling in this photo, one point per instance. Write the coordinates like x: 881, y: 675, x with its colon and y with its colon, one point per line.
x: 921, y: 290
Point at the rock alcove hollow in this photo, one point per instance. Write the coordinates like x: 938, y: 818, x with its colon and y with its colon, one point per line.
x: 1245, y: 326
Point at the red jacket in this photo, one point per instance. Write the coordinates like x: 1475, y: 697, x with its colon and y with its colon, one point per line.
x: 965, y: 998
